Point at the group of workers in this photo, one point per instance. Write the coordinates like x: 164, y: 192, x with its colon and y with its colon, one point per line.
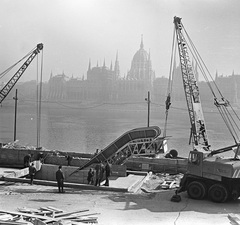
x: 95, y: 176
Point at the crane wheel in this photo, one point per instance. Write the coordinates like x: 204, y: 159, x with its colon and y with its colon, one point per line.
x: 218, y: 193
x: 196, y: 190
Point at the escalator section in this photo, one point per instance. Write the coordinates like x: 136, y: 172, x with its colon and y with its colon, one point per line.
x: 120, y: 149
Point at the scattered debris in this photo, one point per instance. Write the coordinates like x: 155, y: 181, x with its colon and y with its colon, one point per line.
x: 160, y: 182
x: 47, y: 216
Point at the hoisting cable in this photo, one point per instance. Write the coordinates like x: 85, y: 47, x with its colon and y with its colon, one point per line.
x: 10, y: 68
x: 40, y: 98
x: 225, y: 118
x: 170, y: 83
x: 226, y: 111
x: 226, y: 115
x: 232, y: 119
x: 37, y: 108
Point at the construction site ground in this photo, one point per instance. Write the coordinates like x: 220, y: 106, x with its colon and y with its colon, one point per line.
x: 148, y: 205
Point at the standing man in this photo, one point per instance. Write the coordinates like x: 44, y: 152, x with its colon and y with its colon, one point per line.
x: 97, y: 169
x: 32, y: 172
x: 27, y: 160
x: 90, y: 176
x: 60, y: 179
x: 101, y: 173
x: 107, y: 172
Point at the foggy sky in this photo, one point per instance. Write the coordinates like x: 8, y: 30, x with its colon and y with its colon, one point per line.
x: 76, y: 31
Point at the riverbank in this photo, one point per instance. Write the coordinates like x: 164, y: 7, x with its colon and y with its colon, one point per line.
x: 119, y: 208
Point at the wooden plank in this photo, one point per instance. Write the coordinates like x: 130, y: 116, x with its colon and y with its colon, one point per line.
x: 90, y: 214
x: 78, y: 223
x: 62, y: 216
x: 46, y: 209
x: 28, y: 215
x: 234, y: 218
x: 55, y: 209
x: 28, y: 210
x: 39, y: 222
x: 43, y: 212
x: 2, y: 222
x: 69, y: 213
x: 87, y: 220
x: 78, y: 215
x: 6, y: 217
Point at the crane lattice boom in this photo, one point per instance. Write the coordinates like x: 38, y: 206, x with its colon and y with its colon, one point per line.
x: 198, y: 131
x: 8, y: 87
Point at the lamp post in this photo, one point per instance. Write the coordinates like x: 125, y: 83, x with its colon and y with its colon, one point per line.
x: 15, y: 116
x: 148, y: 101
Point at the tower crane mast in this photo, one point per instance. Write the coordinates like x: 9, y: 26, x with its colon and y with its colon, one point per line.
x: 10, y: 84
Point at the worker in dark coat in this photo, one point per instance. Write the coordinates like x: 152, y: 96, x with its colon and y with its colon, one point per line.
x: 107, y: 173
x: 90, y: 176
x: 27, y: 160
x: 32, y: 172
x: 69, y: 159
x: 101, y: 173
x: 60, y: 179
x: 99, y: 168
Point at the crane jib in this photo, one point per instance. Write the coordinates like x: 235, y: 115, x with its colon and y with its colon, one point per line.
x: 192, y: 95
x: 10, y: 84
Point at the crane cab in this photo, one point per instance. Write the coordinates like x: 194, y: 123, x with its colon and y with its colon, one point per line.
x: 195, y: 161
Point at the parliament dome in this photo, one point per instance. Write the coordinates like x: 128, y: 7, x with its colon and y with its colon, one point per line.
x: 141, y: 55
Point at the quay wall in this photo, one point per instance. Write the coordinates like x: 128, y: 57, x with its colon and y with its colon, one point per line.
x: 14, y: 157
x: 48, y: 172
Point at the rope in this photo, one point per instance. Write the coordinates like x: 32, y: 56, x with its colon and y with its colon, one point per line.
x: 170, y: 84
x: 222, y: 108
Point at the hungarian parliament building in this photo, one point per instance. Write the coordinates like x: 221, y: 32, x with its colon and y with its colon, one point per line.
x: 104, y: 84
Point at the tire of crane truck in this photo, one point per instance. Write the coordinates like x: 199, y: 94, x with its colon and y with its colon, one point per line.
x: 218, y: 193
x: 196, y: 190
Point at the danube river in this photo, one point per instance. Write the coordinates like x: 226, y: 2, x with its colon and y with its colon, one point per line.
x: 86, y: 127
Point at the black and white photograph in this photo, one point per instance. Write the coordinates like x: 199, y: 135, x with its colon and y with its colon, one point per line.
x: 116, y: 112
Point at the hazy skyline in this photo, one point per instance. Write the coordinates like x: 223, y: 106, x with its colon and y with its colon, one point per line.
x: 76, y: 31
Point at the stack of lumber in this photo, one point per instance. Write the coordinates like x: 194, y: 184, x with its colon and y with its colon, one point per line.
x: 47, y: 216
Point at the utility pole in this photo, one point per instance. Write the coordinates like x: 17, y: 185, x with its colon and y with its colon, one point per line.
x: 15, y: 116
x: 148, y: 101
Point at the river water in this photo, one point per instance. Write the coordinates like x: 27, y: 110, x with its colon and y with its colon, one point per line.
x: 84, y: 128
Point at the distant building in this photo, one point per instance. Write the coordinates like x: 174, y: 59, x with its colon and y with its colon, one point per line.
x: 139, y: 79
x: 105, y: 84
x: 229, y: 87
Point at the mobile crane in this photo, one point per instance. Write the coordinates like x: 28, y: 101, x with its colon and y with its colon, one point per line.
x: 207, y: 174
x: 10, y: 84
